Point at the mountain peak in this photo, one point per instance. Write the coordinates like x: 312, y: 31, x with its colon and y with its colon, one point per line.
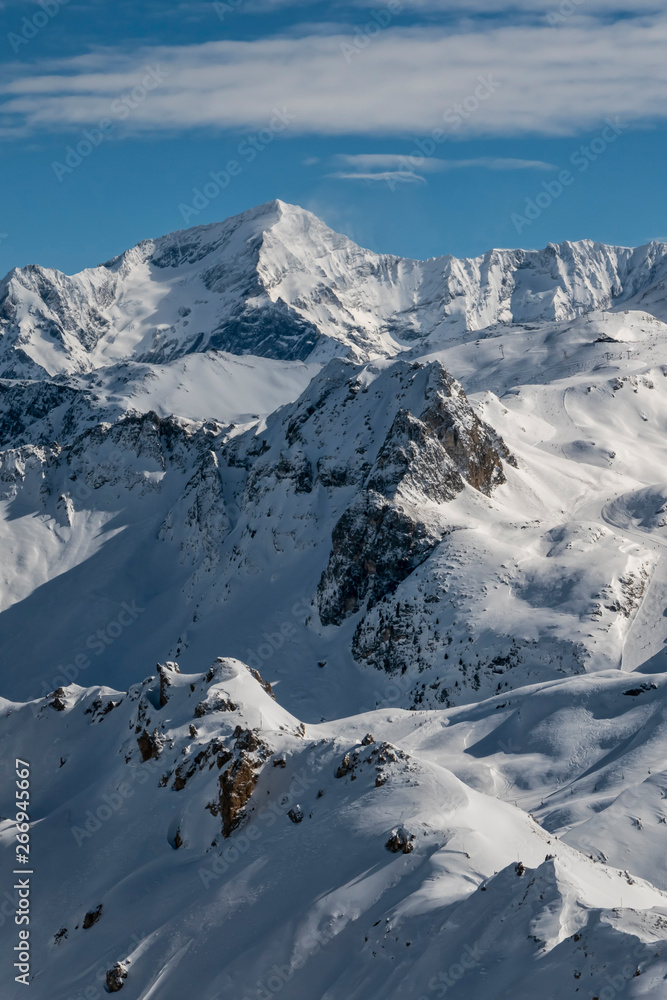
x: 275, y: 281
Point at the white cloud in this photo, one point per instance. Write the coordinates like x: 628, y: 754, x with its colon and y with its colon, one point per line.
x: 432, y: 164
x: 403, y: 81
x: 505, y: 8
x: 388, y: 176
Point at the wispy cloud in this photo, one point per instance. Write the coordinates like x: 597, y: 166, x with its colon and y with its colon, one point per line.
x: 401, y: 163
x: 552, y: 82
x: 505, y: 8
x: 390, y: 177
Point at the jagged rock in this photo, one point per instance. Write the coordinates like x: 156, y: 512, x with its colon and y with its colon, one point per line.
x: 116, y: 977
x: 375, y: 546
x: 189, y: 767
x: 296, y: 814
x: 150, y: 745
x: 344, y: 767
x: 237, y: 784
x: 92, y: 917
x: 367, y: 740
x: 246, y: 739
x: 164, y: 672
x: 430, y: 452
x: 198, y: 522
x: 265, y: 684
x: 183, y: 776
x: 635, y: 692
x: 400, y: 842
x: 215, y: 704
x: 58, y: 700
x: 98, y: 709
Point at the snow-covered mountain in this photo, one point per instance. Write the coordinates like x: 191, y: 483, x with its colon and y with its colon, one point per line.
x: 277, y: 283
x: 418, y: 509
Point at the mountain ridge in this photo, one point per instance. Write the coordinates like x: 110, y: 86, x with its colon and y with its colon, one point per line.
x: 276, y: 282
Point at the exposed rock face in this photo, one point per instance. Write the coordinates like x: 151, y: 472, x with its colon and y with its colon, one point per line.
x: 344, y: 767
x: 199, y: 519
x: 237, y: 784
x: 164, y: 673
x: 375, y: 545
x: 381, y: 758
x: 436, y: 450
x: 150, y: 745
x: 425, y: 457
x: 58, y: 700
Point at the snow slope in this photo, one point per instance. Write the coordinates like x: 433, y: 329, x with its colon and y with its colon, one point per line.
x: 426, y: 500
x: 257, y: 912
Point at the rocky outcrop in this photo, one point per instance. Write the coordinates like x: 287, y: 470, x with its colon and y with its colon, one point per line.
x: 116, y: 977
x: 92, y: 917
x: 265, y: 684
x: 215, y: 703
x: 58, y: 700
x: 428, y: 456
x: 237, y: 784
x: 165, y: 673
x: 375, y: 545
x: 400, y: 842
x: 150, y: 745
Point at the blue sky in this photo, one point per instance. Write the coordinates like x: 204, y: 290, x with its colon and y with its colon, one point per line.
x: 418, y: 127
